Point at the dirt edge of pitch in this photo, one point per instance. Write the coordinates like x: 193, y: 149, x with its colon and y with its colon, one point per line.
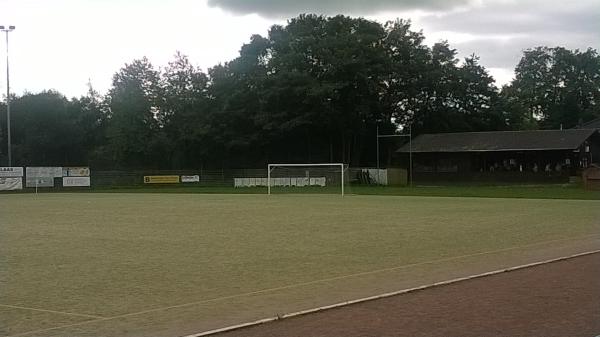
x: 385, y: 295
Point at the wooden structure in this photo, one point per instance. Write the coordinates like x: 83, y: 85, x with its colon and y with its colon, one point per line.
x: 503, y: 156
x: 593, y: 124
x: 591, y: 178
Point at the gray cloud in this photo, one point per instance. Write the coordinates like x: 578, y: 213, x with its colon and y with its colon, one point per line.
x: 499, y: 31
x: 287, y: 8
x: 496, y: 54
x: 496, y: 30
x: 507, y: 53
x: 532, y: 16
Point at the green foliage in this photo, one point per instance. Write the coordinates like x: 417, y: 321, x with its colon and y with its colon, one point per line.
x: 557, y: 87
x: 312, y: 90
x: 572, y: 192
x: 134, y: 133
x: 48, y: 129
x: 182, y: 110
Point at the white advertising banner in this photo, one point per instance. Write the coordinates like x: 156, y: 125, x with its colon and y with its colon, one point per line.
x: 11, y: 184
x: 321, y: 181
x: 280, y: 182
x: 39, y: 181
x: 76, y: 172
x: 190, y: 179
x: 44, y: 172
x: 76, y: 182
x: 11, y: 172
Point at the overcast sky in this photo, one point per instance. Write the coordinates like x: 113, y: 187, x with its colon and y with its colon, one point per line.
x: 61, y: 44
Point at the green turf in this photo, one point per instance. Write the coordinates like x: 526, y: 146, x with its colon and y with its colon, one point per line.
x: 510, y: 191
x: 480, y: 191
x: 109, y: 254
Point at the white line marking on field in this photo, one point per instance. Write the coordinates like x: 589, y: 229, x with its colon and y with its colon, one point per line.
x: 296, y: 285
x: 390, y: 294
x: 50, y: 311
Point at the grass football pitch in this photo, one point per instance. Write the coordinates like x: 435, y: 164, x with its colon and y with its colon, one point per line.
x: 120, y: 264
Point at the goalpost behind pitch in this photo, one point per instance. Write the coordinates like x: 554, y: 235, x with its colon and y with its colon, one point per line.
x: 270, y: 167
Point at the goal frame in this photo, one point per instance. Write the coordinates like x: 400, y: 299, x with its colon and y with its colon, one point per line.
x: 270, y: 168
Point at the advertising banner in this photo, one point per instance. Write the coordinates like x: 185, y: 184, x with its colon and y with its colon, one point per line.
x: 318, y: 181
x: 76, y: 182
x: 76, y: 172
x: 161, y: 179
x: 11, y: 184
x: 11, y: 172
x: 44, y: 172
x: 39, y: 181
x: 190, y: 179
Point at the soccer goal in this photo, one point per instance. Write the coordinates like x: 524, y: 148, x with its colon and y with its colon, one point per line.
x: 298, y: 176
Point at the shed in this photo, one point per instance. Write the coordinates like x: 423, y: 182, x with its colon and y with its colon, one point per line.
x: 593, y: 124
x: 591, y: 177
x: 538, y: 155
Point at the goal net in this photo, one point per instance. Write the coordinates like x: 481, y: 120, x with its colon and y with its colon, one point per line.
x: 290, y: 178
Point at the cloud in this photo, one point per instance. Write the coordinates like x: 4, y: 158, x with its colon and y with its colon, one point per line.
x: 533, y: 16
x: 500, y: 30
x: 63, y: 43
x: 496, y: 30
x: 288, y: 8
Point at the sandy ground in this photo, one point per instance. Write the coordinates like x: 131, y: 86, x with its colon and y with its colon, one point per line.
x: 557, y: 299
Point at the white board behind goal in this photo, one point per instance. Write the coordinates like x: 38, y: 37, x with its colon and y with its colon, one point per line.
x: 338, y: 169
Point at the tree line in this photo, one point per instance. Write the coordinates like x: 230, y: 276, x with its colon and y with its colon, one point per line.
x: 313, y: 90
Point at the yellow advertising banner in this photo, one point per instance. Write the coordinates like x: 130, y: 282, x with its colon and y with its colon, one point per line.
x: 161, y: 179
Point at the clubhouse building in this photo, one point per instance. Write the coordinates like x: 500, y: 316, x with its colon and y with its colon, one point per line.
x: 539, y: 156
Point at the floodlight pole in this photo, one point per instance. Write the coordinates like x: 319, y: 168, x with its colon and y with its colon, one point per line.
x: 378, y: 174
x: 410, y: 171
x: 409, y: 135
x: 9, y: 145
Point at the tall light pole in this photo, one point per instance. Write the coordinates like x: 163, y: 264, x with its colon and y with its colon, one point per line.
x: 6, y: 31
x: 409, y: 135
x: 377, y: 122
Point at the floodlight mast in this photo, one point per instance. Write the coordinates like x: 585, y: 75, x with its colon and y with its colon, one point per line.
x: 409, y: 135
x: 6, y: 31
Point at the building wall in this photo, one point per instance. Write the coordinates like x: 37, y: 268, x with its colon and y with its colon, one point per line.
x: 594, y: 144
x: 510, y: 167
x: 503, y: 166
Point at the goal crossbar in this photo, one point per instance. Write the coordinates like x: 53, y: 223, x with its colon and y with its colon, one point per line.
x: 270, y: 168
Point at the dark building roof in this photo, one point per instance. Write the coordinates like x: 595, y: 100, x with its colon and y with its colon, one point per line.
x: 500, y: 141
x: 593, y: 124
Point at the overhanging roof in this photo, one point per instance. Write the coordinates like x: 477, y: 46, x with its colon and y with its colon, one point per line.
x: 593, y: 124
x: 541, y: 140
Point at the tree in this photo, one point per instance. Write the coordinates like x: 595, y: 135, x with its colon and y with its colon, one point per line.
x: 433, y: 92
x: 43, y: 132
x: 476, y: 98
x: 558, y: 87
x: 327, y: 75
x: 515, y: 113
x: 314, y: 89
x: 405, y: 85
x: 90, y: 113
x: 183, y: 110
x: 232, y: 132
x: 135, y: 137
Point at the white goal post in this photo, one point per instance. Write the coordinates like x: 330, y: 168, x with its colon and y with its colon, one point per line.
x: 270, y: 168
